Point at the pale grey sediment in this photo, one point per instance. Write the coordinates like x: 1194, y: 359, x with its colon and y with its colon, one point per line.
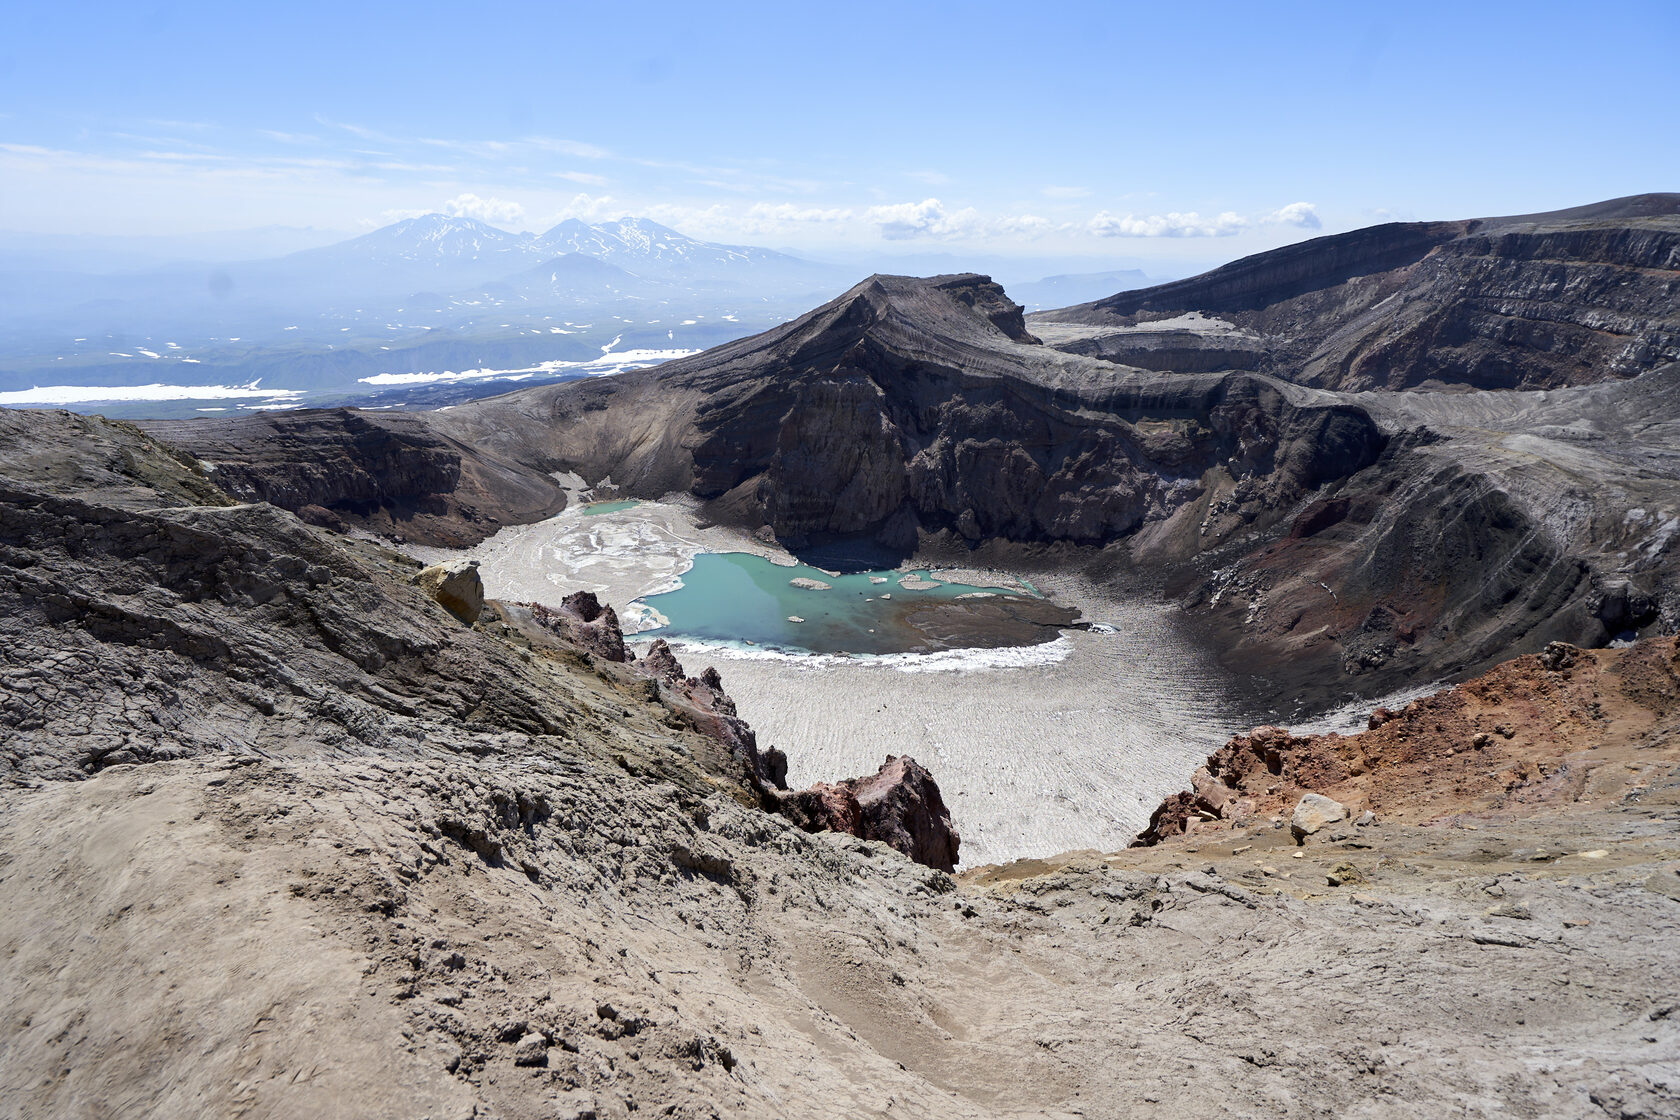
x: 1051, y: 754
x: 1037, y: 749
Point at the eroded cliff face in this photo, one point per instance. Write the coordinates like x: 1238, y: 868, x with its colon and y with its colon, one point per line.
x: 388, y: 471
x: 1542, y: 301
x: 911, y: 407
x: 1234, y: 437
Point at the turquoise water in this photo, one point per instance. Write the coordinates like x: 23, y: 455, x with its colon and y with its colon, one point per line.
x: 594, y: 508
x: 737, y: 597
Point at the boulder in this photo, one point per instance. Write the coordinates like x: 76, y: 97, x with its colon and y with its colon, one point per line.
x: 899, y: 805
x: 456, y: 587
x: 1313, y: 813
x: 531, y: 1050
x: 1210, y: 792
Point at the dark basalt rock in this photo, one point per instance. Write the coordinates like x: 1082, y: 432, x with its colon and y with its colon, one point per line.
x: 389, y: 471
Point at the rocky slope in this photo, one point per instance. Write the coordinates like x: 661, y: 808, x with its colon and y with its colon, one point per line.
x: 1540, y: 301
x: 280, y: 836
x: 903, y: 406
x: 1541, y: 729
x: 391, y: 472
x: 1322, y: 537
x: 909, y: 407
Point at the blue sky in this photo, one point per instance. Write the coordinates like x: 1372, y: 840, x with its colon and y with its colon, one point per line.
x: 1171, y: 132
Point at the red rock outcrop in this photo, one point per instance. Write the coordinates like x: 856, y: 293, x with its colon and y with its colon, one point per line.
x: 584, y: 621
x: 899, y: 805
x: 1522, y: 734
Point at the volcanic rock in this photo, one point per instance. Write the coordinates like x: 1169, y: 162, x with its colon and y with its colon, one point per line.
x: 898, y: 805
x: 585, y: 622
x: 660, y: 663
x: 1313, y: 813
x: 456, y: 587
x: 1422, y: 762
x: 1535, y: 301
x: 387, y: 471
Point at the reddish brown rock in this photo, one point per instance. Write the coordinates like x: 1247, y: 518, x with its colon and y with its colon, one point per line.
x: 1520, y: 735
x: 701, y: 703
x: 584, y: 621
x: 660, y: 663
x: 899, y: 805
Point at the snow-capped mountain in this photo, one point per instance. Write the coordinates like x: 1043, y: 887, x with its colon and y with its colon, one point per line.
x: 438, y: 251
x: 459, y: 291
x: 432, y: 238
x: 431, y: 251
x: 640, y: 246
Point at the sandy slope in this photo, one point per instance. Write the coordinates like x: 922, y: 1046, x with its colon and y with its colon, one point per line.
x: 279, y: 838
x: 286, y: 939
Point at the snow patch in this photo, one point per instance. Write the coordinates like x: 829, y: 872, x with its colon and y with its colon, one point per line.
x: 84, y: 394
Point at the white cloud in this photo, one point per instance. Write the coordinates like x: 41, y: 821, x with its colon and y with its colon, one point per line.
x: 588, y: 208
x: 568, y: 147
x: 1189, y: 224
x: 931, y: 178
x: 903, y: 221
x: 494, y: 210
x: 388, y: 217
x: 1028, y: 225
x: 583, y: 177
x: 1302, y: 214
x: 788, y: 213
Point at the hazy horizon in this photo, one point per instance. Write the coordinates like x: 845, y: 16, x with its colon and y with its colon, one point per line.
x: 1090, y: 133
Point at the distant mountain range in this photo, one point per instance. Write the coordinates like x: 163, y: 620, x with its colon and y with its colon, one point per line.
x: 424, y: 298
x: 424, y: 252
x: 432, y: 294
x: 437, y: 256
